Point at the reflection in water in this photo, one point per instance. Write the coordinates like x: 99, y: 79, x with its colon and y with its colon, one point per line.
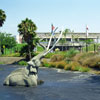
x: 58, y: 85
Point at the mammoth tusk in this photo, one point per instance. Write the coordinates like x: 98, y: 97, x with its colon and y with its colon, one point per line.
x: 51, y: 38
x: 55, y: 43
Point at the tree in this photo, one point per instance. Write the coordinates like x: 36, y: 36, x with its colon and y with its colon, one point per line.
x: 2, y: 17
x: 27, y: 29
x: 63, y: 40
x: 6, y: 40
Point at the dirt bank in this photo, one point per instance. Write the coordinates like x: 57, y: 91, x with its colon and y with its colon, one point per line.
x: 10, y: 60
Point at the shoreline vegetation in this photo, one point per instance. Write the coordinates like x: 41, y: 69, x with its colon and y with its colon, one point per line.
x: 75, y: 61
x: 71, y: 60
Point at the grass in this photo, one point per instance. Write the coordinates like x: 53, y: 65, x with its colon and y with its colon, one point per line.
x: 91, y: 47
x: 84, y: 69
x: 14, y: 52
x: 39, y: 49
x: 47, y: 65
x: 11, y: 55
x: 1, y: 63
x: 22, y: 63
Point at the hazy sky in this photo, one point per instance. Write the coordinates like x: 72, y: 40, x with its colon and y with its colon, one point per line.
x: 72, y: 14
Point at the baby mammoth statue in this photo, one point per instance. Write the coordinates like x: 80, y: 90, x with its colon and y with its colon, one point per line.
x: 23, y: 77
x: 26, y: 76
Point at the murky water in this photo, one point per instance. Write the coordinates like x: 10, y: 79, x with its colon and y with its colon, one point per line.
x: 58, y: 85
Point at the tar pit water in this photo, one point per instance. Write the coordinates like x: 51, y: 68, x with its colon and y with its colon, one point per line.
x: 58, y: 85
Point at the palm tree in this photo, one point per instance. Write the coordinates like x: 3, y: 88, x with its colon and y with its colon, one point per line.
x: 2, y: 17
x: 27, y: 29
x: 66, y: 31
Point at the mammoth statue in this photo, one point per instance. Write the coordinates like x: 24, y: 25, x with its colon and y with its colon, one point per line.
x: 28, y: 76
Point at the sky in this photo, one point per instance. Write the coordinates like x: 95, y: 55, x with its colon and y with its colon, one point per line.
x: 71, y: 14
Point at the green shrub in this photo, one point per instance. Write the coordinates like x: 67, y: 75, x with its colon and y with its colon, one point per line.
x: 22, y: 63
x: 72, y: 52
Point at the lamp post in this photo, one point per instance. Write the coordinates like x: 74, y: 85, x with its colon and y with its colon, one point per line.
x: 86, y: 38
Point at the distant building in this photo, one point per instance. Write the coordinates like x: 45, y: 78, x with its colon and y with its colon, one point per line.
x: 19, y: 39
x: 70, y: 38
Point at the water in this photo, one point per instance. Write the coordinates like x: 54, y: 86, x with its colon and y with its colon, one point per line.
x: 58, y: 85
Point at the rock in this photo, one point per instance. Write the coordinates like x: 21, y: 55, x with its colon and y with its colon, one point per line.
x: 40, y: 82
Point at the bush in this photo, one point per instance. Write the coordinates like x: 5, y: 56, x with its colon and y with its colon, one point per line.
x: 67, y: 67
x: 22, y: 63
x: 72, y: 52
x: 81, y: 57
x: 60, y: 64
x: 57, y: 57
x: 93, y: 62
x: 89, y: 59
x: 74, y: 66
x: 45, y: 63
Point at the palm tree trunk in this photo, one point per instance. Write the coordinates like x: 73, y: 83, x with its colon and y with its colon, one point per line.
x: 30, y: 56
